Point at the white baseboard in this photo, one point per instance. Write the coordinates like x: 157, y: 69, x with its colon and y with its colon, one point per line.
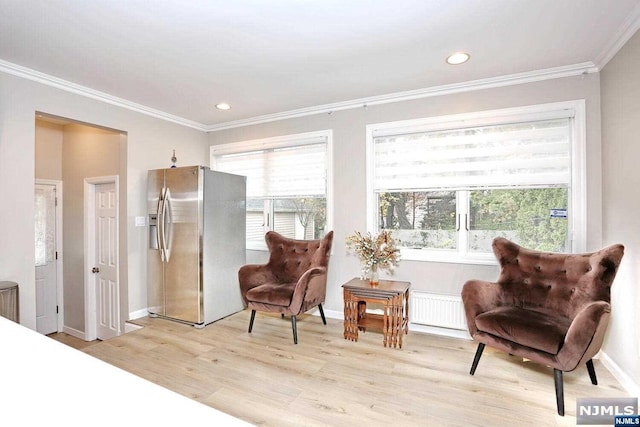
x: 74, y: 333
x: 138, y: 314
x: 445, y: 332
x: 625, y: 380
x: 331, y: 314
x: 128, y: 327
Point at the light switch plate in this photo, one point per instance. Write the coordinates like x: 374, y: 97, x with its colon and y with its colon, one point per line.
x: 141, y: 221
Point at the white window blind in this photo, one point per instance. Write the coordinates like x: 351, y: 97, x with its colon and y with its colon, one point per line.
x: 515, y: 154
x: 299, y: 168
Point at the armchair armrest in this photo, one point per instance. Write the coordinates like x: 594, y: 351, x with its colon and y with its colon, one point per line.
x: 252, y: 275
x: 585, y: 335
x: 478, y: 297
x: 313, y: 282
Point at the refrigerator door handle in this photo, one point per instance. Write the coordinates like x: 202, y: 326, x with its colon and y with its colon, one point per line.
x: 160, y: 226
x: 167, y: 227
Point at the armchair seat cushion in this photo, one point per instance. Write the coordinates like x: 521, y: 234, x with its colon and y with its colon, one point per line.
x: 535, y: 329
x: 272, y: 294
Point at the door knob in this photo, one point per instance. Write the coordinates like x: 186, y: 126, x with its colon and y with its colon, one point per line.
x: 95, y: 270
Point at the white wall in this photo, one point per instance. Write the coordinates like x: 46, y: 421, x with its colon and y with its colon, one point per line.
x: 149, y: 145
x: 621, y: 203
x: 48, y: 154
x: 349, y: 169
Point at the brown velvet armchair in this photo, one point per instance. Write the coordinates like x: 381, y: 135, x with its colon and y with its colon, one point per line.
x: 550, y: 308
x: 292, y: 282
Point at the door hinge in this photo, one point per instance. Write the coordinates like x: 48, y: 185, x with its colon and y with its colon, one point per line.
x: 57, y: 309
x: 56, y: 255
x: 56, y: 201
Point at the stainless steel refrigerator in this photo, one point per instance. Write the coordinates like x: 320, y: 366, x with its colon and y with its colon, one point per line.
x: 196, y: 243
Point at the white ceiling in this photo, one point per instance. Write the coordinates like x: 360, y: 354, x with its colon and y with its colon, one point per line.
x: 278, y: 58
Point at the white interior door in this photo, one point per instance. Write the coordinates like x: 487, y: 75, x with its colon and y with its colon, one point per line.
x: 46, y: 259
x: 106, y: 261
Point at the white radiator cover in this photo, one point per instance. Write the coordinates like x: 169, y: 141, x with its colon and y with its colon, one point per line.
x: 444, y: 311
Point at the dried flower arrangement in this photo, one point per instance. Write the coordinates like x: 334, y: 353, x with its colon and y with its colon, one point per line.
x: 374, y: 253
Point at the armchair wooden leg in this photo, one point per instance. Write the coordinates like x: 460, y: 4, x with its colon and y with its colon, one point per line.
x: 253, y: 316
x: 322, y: 314
x: 557, y: 374
x: 476, y: 359
x: 295, y: 329
x: 592, y: 372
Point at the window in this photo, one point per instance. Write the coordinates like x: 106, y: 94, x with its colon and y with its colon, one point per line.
x: 45, y: 226
x: 447, y: 186
x: 287, y: 183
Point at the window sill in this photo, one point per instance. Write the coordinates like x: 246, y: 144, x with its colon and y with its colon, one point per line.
x: 446, y: 257
x: 419, y: 255
x: 251, y: 246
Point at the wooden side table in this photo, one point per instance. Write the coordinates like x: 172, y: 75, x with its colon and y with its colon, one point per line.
x: 394, y: 322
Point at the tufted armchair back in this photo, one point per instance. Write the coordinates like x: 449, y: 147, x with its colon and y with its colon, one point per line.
x: 290, y: 258
x: 552, y: 282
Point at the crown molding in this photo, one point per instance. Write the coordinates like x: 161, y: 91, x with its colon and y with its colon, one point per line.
x: 473, y: 85
x: 629, y: 27
x: 48, y: 80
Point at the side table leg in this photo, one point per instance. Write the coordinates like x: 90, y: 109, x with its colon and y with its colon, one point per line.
x: 345, y: 299
x: 400, y: 310
x: 354, y: 318
x: 396, y: 324
x: 350, y: 317
x: 361, y: 314
x: 405, y: 317
x: 392, y: 321
x: 385, y: 323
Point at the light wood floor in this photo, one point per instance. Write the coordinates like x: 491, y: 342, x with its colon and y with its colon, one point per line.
x: 265, y: 379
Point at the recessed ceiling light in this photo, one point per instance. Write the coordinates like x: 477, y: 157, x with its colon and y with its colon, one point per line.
x: 458, y: 58
x: 223, y: 106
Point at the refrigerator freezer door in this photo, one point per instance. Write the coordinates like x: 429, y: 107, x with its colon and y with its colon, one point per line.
x: 182, y: 227
x: 155, y: 266
x: 224, y: 243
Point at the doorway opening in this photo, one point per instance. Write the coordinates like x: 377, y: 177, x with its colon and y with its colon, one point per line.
x: 75, y: 153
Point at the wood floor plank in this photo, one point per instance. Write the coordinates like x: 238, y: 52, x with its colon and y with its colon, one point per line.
x: 265, y: 379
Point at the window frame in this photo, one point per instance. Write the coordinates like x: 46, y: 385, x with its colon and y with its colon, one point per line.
x: 278, y: 142
x: 577, y: 217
